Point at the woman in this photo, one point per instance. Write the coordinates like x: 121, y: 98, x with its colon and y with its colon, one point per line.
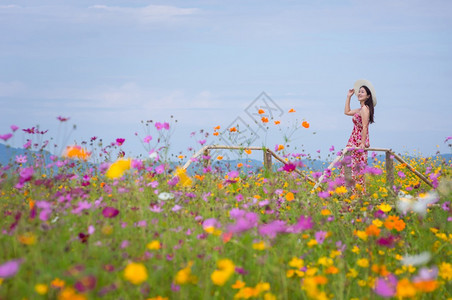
x: 359, y: 139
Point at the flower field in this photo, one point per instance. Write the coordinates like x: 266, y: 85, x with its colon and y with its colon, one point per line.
x: 144, y: 229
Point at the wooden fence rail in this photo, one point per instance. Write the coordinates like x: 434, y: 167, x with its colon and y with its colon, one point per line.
x: 268, y: 154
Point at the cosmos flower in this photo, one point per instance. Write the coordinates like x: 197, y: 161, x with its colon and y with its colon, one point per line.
x: 136, y: 273
x: 10, y: 268
x: 76, y: 152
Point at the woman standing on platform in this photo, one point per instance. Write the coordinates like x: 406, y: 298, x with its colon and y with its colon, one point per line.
x: 359, y: 139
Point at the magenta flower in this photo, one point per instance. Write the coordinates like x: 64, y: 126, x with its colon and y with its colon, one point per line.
x: 160, y: 169
x: 110, y: 212
x: 120, y: 141
x: 290, y: 167
x: 10, y: 268
x: 62, y: 119
x: 386, y: 286
x: 86, y: 283
x: 14, y: 128
x: 6, y: 137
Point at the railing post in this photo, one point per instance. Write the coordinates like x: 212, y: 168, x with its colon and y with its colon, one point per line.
x: 206, y: 161
x: 348, y: 176
x: 389, y: 169
x: 267, y: 160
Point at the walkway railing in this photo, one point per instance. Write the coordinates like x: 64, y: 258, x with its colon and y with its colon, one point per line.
x: 268, y: 154
x: 389, y: 164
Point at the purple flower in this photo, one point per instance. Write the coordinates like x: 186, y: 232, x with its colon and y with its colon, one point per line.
x: 176, y: 208
x: 386, y: 286
x: 14, y: 128
x: 386, y: 241
x: 273, y: 228
x: 120, y: 141
x: 244, y: 222
x: 324, y: 194
x: 82, y: 205
x: 10, y: 268
x: 160, y: 169
x: 236, y: 213
x: 110, y: 212
x: 445, y: 206
x: 401, y: 174
x: 304, y: 223
x: 147, y: 139
x: 332, y: 148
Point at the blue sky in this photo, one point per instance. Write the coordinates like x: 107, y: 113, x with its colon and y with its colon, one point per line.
x: 110, y: 64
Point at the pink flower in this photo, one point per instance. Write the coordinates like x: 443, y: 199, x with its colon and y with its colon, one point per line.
x: 10, y: 268
x: 110, y: 212
x: 289, y: 167
x: 147, y: 139
x: 14, y: 128
x: 332, y: 148
x: 21, y: 159
x: 161, y: 126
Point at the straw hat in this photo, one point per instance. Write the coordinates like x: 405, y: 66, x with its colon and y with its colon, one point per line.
x: 359, y: 83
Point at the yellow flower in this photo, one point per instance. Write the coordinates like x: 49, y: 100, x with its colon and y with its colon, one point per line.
x: 41, y: 289
x: 27, y: 238
x: 335, y: 253
x: 312, y: 243
x: 269, y: 296
x: 107, y: 229
x: 325, y: 261
x: 363, y: 263
x: 352, y: 273
x: 158, y: 298
x: 259, y: 246
x: 296, y: 263
x: 362, y: 235
x: 377, y: 223
x: 118, y: 168
x: 341, y: 190
x: 154, y: 245
x: 445, y: 271
x: 355, y: 249
x: 136, y: 273
x: 385, y: 207
x: 185, y: 276
x: 225, y: 269
x: 184, y: 179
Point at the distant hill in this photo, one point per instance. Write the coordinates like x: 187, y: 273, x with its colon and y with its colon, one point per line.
x: 8, y: 155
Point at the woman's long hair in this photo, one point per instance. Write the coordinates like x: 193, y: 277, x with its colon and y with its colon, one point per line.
x: 370, y: 104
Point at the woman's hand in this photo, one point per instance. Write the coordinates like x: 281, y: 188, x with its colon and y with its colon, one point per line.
x: 350, y: 93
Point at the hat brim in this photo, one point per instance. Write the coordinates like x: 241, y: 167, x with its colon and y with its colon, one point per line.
x: 359, y: 83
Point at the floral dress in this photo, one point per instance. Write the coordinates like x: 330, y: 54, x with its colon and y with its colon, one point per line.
x: 357, y: 159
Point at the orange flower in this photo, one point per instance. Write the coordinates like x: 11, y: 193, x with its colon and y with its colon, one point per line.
x: 280, y: 147
x: 426, y: 286
x: 215, y: 133
x: 291, y: 110
x: 290, y: 196
x: 277, y: 122
x: 76, y: 152
x: 247, y: 151
x: 220, y: 157
x: 372, y: 230
x: 305, y: 124
x: 217, y: 128
x: 264, y: 120
x: 239, y: 165
x: 394, y: 222
x: 232, y: 129
x: 261, y: 111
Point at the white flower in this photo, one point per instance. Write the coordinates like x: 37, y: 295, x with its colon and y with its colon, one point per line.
x: 154, y: 156
x: 407, y: 203
x: 414, y: 260
x: 165, y: 196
